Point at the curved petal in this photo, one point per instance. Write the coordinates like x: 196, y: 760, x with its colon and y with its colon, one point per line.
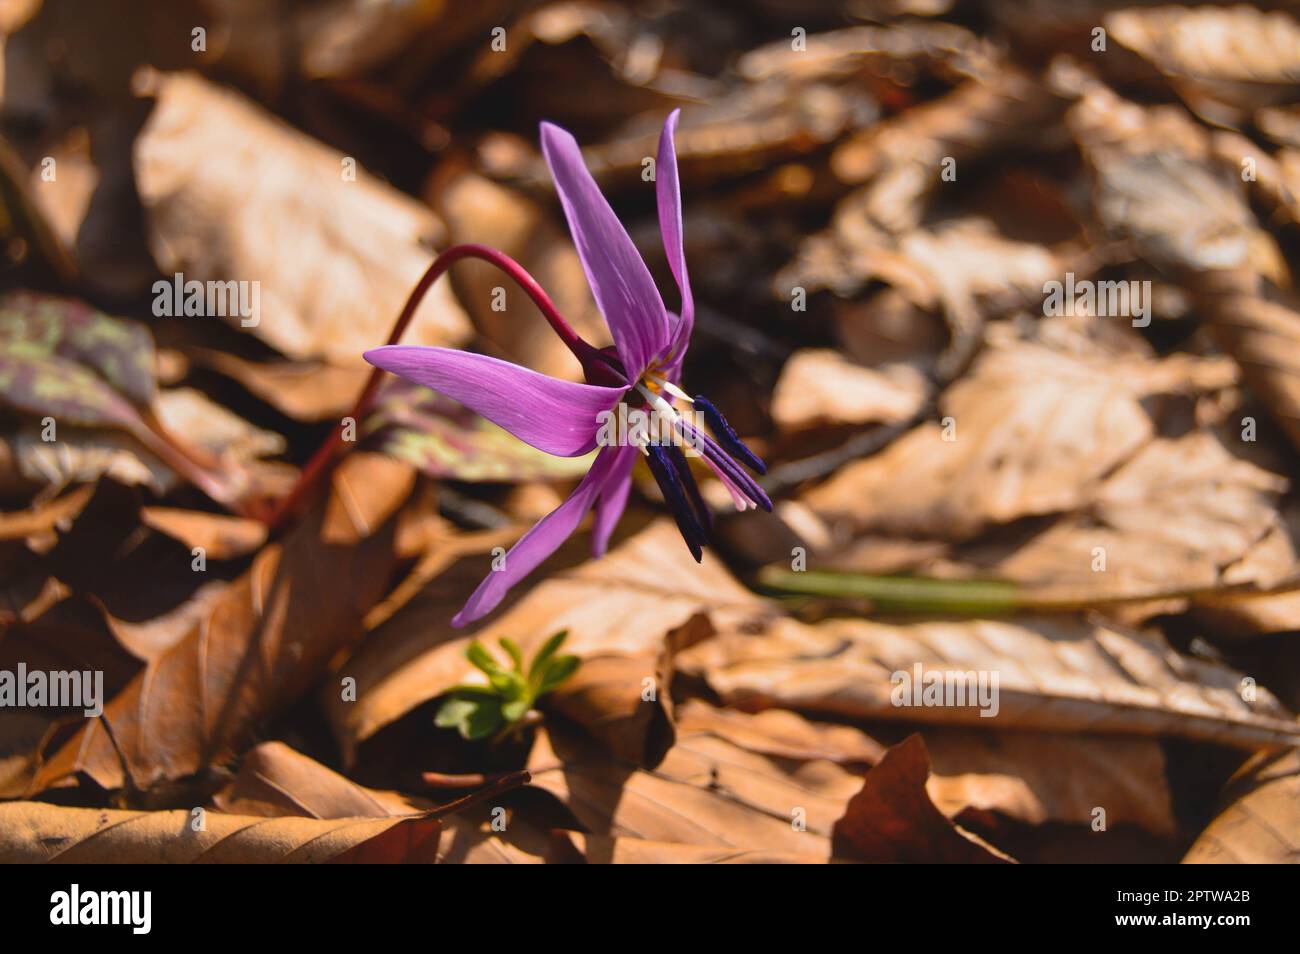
x: 612, y: 500
x: 619, y: 279
x: 540, y: 542
x: 558, y: 417
x: 669, y: 196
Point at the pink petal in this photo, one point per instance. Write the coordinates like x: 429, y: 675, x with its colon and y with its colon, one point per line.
x: 558, y: 417
x: 541, y: 541
x: 669, y: 195
x: 612, y: 500
x: 619, y: 279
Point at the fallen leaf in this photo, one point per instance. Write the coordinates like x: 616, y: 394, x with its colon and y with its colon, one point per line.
x: 275, y: 781
x: 1181, y: 514
x: 40, y: 524
x: 260, y: 645
x: 1042, y: 777
x: 36, y: 833
x: 334, y: 259
x: 706, y: 791
x: 1058, y: 673
x: 219, y: 536
x: 893, y: 820
x: 1029, y: 431
x: 780, y: 733
x: 610, y: 607
x: 820, y: 386
x: 596, y: 850
x: 1259, y: 823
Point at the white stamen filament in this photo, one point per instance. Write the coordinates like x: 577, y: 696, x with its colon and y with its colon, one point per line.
x: 666, y: 385
x: 666, y: 410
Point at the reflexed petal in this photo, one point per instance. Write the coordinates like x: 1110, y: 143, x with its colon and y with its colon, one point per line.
x: 542, y: 540
x: 669, y: 194
x: 612, y: 500
x: 619, y: 279
x: 558, y: 417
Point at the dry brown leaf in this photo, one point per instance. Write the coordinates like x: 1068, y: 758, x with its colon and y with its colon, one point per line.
x: 231, y: 194
x: 609, y: 695
x: 263, y: 642
x: 36, y: 833
x: 903, y: 156
x: 275, y: 781
x: 220, y: 536
x: 871, y: 50
x: 610, y: 607
x: 55, y: 633
x: 1031, y: 777
x: 1162, y: 185
x: 1180, y: 515
x: 1262, y: 332
x: 1035, y: 432
x: 1262, y: 817
x: 41, y: 524
x: 1237, y: 44
x: 705, y: 792
x: 1042, y: 777
x: 148, y: 639
x: 819, y: 386
x: 893, y: 820
x: 779, y: 733
x: 596, y: 850
x: 1052, y: 673
x: 304, y: 390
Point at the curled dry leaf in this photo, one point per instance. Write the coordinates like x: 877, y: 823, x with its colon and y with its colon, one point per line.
x: 1261, y: 819
x: 275, y: 781
x: 334, y: 258
x: 893, y: 820
x: 36, y: 833
x: 262, y: 643
x: 1052, y: 673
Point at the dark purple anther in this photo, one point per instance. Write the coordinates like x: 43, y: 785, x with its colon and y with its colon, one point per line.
x: 670, y: 485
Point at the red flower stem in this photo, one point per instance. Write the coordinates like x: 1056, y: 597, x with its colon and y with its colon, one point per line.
x: 322, y: 462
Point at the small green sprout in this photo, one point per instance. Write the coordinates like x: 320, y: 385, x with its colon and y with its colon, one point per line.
x: 504, y: 707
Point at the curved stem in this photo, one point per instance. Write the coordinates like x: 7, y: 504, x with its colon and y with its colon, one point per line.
x: 322, y: 462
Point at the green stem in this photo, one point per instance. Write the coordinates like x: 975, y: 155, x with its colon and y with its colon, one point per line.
x: 899, y: 594
x: 921, y: 595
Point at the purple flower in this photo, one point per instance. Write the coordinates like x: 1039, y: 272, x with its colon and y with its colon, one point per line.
x: 642, y: 370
